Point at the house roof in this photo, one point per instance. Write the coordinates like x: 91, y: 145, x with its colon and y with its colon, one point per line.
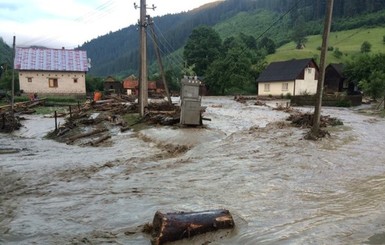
x: 110, y: 79
x: 284, y: 70
x: 339, y: 68
x: 130, y: 84
x: 44, y: 59
x: 134, y: 84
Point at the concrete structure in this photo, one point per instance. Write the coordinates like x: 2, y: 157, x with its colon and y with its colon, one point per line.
x: 52, y: 71
x: 294, y: 77
x: 191, y: 110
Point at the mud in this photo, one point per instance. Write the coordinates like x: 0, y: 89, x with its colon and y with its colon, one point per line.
x: 280, y: 188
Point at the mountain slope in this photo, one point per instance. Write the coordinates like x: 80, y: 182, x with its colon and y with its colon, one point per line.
x: 117, y: 53
x: 5, y: 53
x: 347, y: 42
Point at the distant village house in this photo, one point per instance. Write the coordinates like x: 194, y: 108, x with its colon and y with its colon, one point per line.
x: 113, y: 86
x: 52, y: 71
x: 131, y: 86
x: 294, y: 77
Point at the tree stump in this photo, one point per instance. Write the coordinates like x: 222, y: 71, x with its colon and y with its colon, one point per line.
x: 176, y: 226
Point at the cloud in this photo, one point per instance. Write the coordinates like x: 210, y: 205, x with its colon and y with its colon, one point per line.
x: 8, y: 6
x: 70, y: 23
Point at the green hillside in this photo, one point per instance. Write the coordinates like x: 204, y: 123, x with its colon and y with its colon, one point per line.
x: 348, y: 42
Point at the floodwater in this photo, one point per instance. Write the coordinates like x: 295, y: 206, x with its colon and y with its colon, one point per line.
x: 280, y: 188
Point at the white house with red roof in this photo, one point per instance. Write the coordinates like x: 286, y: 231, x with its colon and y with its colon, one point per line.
x: 52, y: 71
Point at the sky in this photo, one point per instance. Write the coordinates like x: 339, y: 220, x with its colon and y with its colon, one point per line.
x: 70, y: 23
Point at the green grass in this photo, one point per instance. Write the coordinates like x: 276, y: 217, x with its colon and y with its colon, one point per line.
x: 348, y: 42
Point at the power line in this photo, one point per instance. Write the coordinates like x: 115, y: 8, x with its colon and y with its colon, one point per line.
x: 279, y: 19
x: 169, y: 57
x: 168, y: 46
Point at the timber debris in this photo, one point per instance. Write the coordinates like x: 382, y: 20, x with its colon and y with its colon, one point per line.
x: 9, y: 122
x: 170, y: 227
x: 92, y: 123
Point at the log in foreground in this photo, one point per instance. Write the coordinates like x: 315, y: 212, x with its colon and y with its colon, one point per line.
x: 171, y: 227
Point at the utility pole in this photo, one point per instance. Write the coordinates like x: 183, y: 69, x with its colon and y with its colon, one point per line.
x: 13, y: 74
x: 159, y: 59
x: 325, y: 39
x: 143, y: 81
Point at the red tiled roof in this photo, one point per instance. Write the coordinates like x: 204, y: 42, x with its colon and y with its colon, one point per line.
x: 130, y: 84
x: 134, y: 84
x: 44, y: 59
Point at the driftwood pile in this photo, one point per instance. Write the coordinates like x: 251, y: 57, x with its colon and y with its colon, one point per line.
x: 305, y: 120
x: 90, y: 124
x: 9, y: 122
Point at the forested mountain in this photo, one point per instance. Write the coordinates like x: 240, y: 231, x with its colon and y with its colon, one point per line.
x: 117, y: 53
x: 5, y: 53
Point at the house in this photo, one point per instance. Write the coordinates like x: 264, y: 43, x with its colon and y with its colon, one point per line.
x: 52, y: 71
x: 131, y: 85
x: 293, y: 77
x: 336, y: 82
x: 113, y: 86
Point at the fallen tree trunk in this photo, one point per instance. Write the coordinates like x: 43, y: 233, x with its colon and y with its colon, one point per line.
x: 176, y: 226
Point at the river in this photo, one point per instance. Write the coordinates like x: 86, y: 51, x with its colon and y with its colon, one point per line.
x: 280, y: 188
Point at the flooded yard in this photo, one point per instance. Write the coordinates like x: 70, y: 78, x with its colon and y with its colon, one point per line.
x: 280, y: 188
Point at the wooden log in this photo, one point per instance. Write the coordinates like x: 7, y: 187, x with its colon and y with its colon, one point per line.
x: 124, y: 129
x: 62, y: 132
x: 96, y: 131
x: 100, y: 140
x: 171, y: 227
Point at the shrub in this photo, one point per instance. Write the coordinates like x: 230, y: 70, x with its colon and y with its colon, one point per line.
x: 343, y: 103
x: 366, y: 47
x: 288, y: 96
x: 337, y: 53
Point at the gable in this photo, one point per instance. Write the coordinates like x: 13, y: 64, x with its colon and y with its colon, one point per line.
x: 43, y: 59
x: 286, y: 70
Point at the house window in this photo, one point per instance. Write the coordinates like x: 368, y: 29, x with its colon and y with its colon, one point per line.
x: 75, y: 80
x: 29, y: 79
x: 52, y: 82
x: 267, y: 87
x: 285, y: 86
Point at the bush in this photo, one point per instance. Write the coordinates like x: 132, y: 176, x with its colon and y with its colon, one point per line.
x: 366, y: 47
x: 288, y: 96
x: 343, y: 103
x: 337, y: 53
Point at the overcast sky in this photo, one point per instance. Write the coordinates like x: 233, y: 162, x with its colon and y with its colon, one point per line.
x: 69, y: 23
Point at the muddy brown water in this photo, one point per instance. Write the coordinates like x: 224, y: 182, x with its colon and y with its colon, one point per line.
x: 280, y: 189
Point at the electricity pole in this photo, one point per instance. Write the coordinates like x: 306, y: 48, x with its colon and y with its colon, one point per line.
x: 325, y: 39
x: 13, y: 74
x: 159, y: 59
x: 143, y: 82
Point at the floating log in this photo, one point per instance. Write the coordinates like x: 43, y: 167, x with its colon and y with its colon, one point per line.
x: 171, y: 227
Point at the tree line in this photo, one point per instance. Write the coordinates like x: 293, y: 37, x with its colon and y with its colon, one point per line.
x: 116, y: 53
